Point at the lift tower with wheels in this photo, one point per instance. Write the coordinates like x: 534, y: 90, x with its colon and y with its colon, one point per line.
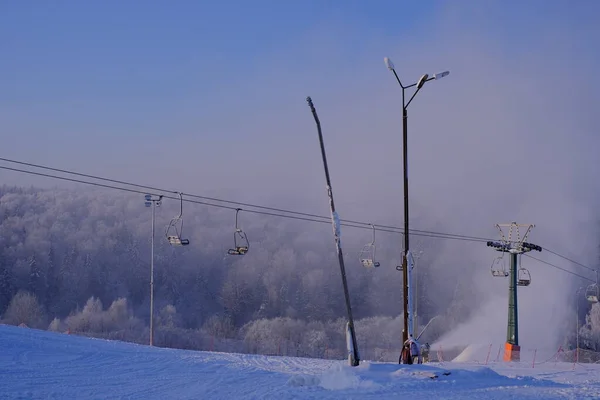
x: 514, y: 245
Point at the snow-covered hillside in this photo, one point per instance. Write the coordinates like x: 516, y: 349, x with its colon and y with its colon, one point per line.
x: 37, y: 364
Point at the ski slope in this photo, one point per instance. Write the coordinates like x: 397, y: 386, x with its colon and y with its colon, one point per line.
x: 37, y: 364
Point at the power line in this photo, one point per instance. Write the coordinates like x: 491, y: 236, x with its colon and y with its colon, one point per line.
x: 276, y: 212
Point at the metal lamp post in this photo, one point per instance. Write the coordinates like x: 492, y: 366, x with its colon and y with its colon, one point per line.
x: 153, y: 202
x: 419, y: 84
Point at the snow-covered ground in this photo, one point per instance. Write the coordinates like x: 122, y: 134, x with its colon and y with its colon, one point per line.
x: 36, y: 364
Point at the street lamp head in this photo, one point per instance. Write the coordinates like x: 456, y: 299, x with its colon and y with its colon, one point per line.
x: 388, y: 63
x: 440, y: 75
x: 422, y: 81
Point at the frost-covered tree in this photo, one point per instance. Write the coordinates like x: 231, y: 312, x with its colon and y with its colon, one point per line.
x: 78, y: 250
x: 168, y: 317
x: 36, y: 282
x: 590, y: 331
x: 219, y: 326
x: 6, y: 284
x: 24, y: 308
x: 57, y: 325
x: 94, y: 319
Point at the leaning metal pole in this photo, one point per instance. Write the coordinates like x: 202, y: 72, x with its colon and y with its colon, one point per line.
x: 353, y: 356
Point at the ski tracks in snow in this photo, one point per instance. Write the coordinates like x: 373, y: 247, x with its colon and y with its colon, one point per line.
x: 37, y: 364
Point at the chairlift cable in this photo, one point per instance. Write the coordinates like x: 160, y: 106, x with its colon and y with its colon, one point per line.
x: 279, y: 210
x: 299, y: 215
x: 560, y: 268
x: 354, y: 224
x: 570, y: 260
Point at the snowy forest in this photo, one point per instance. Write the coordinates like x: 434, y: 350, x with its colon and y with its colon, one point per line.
x: 78, y: 261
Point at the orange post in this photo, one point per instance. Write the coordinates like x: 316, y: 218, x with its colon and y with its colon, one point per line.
x: 512, y: 352
x: 557, y: 353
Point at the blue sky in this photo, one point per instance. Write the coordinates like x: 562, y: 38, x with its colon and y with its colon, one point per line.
x: 150, y: 56
x: 134, y: 52
x: 200, y: 94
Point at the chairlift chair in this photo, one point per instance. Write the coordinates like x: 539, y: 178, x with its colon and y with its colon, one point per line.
x: 499, y: 267
x: 592, y: 293
x: 240, y: 240
x: 367, y: 255
x: 523, y: 277
x: 173, y: 233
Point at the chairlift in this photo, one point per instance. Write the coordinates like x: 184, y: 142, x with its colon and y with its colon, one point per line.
x: 367, y: 255
x: 173, y: 233
x: 592, y: 293
x: 523, y: 277
x: 499, y: 267
x: 240, y: 240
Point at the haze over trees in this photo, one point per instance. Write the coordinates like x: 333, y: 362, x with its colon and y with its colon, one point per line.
x: 78, y: 260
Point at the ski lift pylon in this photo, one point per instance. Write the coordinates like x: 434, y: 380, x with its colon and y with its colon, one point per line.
x: 367, y: 254
x: 240, y: 240
x: 173, y: 233
x: 499, y: 267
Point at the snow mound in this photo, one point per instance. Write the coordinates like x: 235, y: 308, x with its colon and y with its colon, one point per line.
x: 339, y: 377
x: 473, y: 352
x: 303, y: 380
x: 343, y: 377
